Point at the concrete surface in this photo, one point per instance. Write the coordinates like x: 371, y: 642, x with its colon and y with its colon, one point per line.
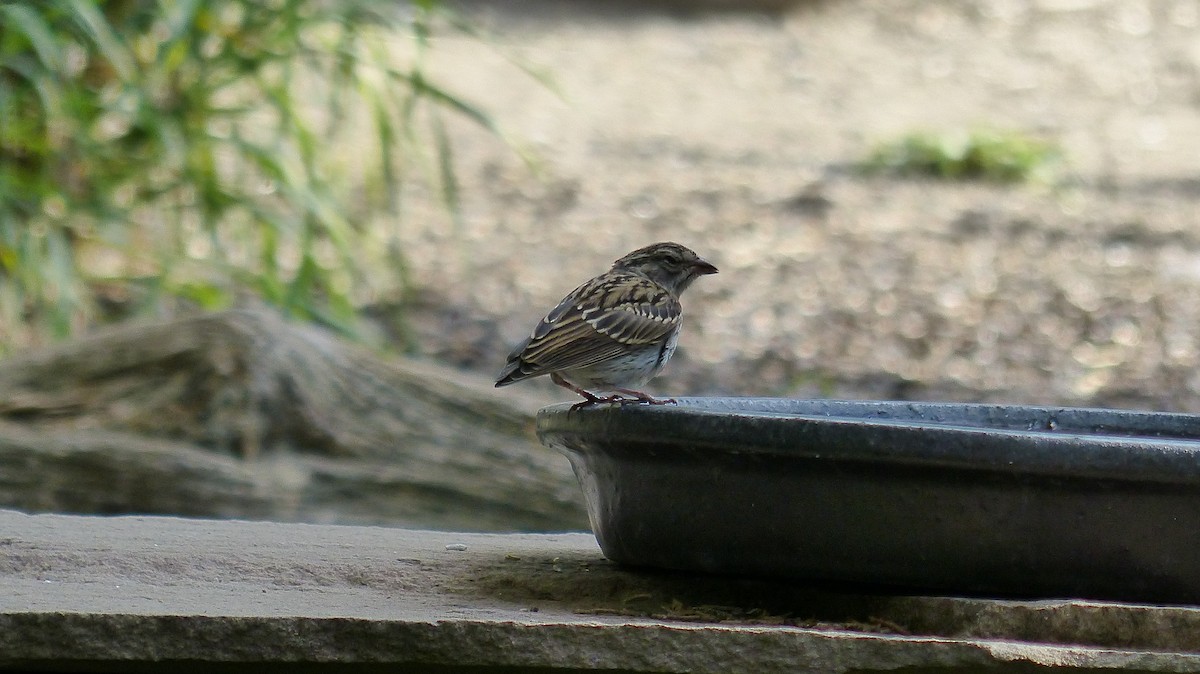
x: 150, y: 593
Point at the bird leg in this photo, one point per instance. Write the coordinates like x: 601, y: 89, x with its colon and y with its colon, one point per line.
x: 589, y: 398
x: 639, y: 397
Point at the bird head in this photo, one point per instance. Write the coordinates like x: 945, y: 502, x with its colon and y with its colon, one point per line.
x: 669, y: 264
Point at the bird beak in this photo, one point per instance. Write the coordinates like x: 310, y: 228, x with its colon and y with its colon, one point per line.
x: 702, y: 266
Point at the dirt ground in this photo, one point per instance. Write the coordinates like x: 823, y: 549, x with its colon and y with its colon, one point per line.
x: 736, y: 130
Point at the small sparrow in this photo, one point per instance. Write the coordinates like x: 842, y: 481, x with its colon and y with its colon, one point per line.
x: 615, y: 332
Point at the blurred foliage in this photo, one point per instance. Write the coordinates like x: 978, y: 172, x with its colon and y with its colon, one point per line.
x: 979, y: 155
x: 161, y: 149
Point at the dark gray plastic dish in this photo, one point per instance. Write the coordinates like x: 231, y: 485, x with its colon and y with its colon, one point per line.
x: 945, y: 497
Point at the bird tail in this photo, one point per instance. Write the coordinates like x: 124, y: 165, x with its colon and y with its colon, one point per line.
x: 515, y: 369
x: 511, y: 373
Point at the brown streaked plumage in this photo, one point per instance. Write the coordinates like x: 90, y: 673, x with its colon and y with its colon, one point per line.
x: 615, y: 332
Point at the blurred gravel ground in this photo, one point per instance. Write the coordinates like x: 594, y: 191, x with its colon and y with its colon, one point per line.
x: 735, y: 132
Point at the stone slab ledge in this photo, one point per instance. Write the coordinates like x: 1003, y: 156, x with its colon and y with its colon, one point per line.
x: 157, y: 593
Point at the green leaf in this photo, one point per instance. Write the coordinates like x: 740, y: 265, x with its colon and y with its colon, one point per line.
x: 207, y: 296
x: 110, y: 44
x: 194, y: 144
x: 446, y: 171
x: 37, y: 31
x: 180, y: 16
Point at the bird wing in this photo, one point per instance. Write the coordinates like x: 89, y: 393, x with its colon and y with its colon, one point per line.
x: 599, y: 320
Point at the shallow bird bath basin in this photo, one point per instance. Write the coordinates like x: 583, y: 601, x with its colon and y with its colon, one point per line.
x: 943, y: 497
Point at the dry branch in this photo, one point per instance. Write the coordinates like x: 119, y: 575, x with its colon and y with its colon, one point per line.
x: 243, y: 414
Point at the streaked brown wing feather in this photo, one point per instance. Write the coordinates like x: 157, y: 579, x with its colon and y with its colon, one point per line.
x: 571, y: 346
x: 598, y: 321
x: 643, y: 323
